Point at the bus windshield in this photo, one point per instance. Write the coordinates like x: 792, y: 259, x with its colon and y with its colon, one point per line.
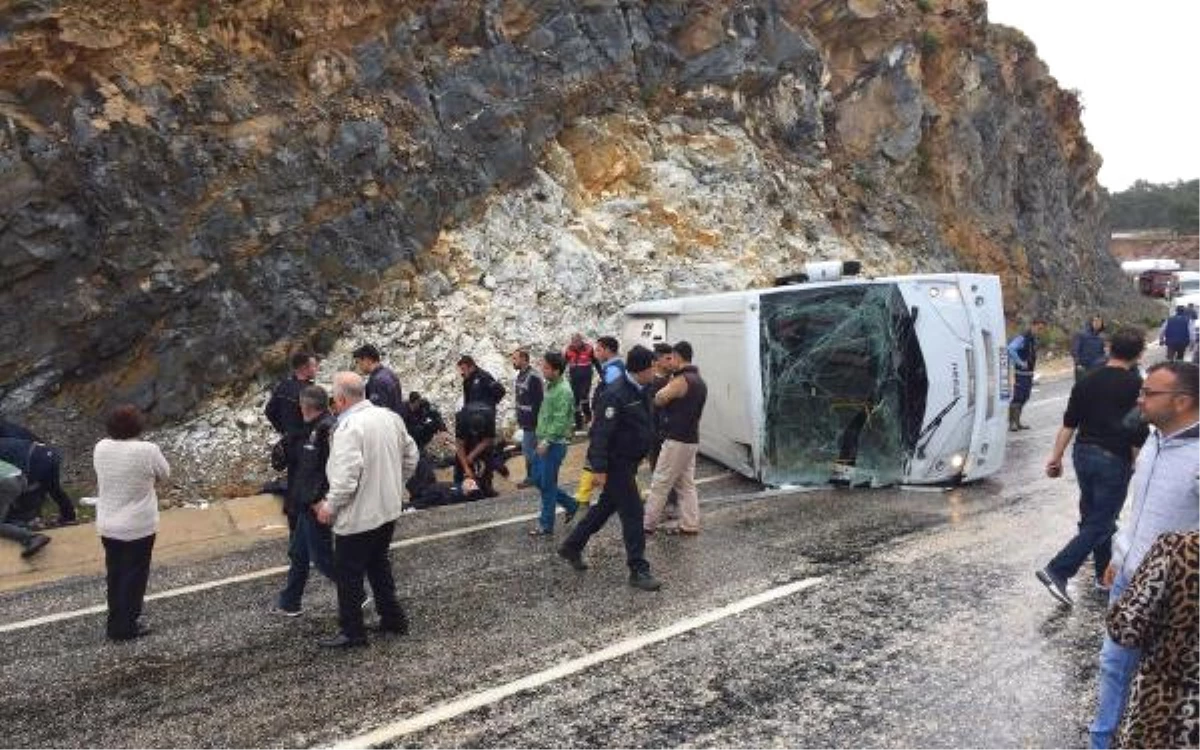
x: 844, y: 384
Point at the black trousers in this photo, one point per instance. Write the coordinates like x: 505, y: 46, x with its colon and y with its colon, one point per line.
x: 356, y: 555
x: 620, y: 496
x: 128, y: 569
x: 581, y: 387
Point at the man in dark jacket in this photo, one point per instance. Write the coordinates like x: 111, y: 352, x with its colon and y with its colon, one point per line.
x: 1176, y: 334
x: 479, y: 386
x: 681, y: 404
x: 422, y: 419
x: 620, y: 437
x: 42, y: 467
x: 12, y: 485
x: 1087, y: 347
x: 383, y: 387
x: 283, y: 408
x: 310, y: 542
x: 527, y: 392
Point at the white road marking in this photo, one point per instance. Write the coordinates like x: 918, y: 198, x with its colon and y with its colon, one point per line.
x: 457, y: 707
x: 251, y: 576
x: 281, y: 569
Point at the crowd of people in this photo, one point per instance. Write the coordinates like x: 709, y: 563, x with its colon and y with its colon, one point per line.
x: 341, y: 496
x: 351, y: 456
x: 1135, y: 443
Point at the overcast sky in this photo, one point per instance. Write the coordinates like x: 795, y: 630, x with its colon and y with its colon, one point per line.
x: 1136, y: 64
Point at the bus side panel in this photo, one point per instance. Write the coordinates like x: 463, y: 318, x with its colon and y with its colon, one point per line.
x: 727, y: 429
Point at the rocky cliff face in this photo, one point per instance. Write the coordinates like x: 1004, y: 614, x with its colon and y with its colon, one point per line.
x: 190, y: 190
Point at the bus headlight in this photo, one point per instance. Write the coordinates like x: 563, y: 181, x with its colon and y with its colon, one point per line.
x: 957, y: 460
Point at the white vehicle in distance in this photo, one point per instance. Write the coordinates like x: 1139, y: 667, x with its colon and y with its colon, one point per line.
x: 895, y: 380
x: 1189, y: 288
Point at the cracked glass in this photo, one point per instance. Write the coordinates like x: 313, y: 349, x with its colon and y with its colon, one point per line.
x: 844, y: 385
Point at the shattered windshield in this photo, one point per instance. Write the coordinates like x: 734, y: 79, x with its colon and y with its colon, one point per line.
x: 844, y: 385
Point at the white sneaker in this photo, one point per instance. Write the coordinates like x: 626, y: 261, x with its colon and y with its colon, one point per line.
x: 281, y: 612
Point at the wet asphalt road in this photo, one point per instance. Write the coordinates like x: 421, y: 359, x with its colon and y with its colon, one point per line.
x: 922, y: 626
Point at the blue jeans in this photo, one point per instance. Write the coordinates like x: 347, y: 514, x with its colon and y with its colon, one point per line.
x: 1118, y: 665
x: 1103, y: 479
x: 310, y: 542
x: 529, y: 450
x: 546, y: 469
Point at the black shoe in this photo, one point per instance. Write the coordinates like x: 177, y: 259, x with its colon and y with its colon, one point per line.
x: 573, y: 557
x: 502, y: 470
x: 1056, y: 587
x: 644, y: 581
x: 341, y: 640
x: 524, y: 484
x: 34, y: 545
x: 139, y: 631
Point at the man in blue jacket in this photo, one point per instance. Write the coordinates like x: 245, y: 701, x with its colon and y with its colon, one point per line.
x: 1022, y: 353
x: 1176, y: 334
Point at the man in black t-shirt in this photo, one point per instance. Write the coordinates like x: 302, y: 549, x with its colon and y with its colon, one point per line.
x: 1101, y: 416
x: 475, y: 441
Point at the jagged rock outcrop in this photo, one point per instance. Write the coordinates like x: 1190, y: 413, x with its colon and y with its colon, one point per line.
x: 187, y: 191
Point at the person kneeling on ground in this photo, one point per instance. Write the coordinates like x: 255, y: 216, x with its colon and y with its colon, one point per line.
x: 475, y: 440
x: 12, y: 485
x: 42, y: 467
x: 309, y: 542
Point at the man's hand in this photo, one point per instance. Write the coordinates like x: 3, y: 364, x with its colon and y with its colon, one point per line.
x: 1054, y: 467
x: 542, y: 447
x: 324, y: 513
x: 598, y: 480
x: 1110, y: 575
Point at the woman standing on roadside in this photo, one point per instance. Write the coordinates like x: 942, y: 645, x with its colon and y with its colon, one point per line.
x: 127, y: 516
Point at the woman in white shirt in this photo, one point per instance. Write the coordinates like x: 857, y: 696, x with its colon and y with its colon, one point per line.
x: 127, y: 516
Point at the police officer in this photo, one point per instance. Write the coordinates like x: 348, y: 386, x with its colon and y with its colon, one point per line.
x: 621, y: 434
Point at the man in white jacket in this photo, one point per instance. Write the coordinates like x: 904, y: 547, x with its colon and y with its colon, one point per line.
x: 370, y: 456
x: 1165, y: 497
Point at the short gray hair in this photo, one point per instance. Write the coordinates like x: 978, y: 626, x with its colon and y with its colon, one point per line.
x: 349, y: 385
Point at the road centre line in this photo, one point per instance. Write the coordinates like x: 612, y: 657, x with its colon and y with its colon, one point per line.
x: 459, y: 706
x: 281, y: 569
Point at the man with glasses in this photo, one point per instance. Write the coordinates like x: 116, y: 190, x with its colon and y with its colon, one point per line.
x: 1166, y: 497
x: 1103, y: 456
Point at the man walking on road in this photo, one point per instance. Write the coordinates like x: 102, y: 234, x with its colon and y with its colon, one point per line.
x: 1166, y: 497
x: 371, y: 453
x: 680, y: 403
x: 1022, y: 352
x: 620, y: 438
x: 1176, y: 333
x: 1103, y: 456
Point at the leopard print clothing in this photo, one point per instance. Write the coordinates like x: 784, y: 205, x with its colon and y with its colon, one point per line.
x: 1158, y: 614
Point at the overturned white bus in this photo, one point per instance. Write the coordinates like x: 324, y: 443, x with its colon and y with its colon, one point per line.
x: 863, y: 381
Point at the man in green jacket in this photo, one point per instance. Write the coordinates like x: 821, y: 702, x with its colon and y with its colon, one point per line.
x: 555, y: 421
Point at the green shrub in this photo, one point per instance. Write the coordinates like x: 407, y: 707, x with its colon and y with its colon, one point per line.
x: 929, y: 42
